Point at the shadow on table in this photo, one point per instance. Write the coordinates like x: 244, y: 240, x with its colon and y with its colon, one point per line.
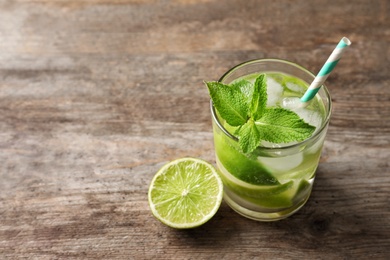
x: 334, y: 220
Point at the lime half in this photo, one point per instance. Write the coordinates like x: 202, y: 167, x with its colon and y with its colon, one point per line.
x: 185, y: 193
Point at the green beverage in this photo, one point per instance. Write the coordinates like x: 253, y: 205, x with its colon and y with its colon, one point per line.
x: 272, y: 177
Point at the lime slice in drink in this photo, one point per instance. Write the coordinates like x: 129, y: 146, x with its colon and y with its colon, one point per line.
x: 185, y: 193
x: 241, y: 165
x: 272, y: 196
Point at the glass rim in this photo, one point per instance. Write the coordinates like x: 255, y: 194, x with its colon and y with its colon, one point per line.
x: 295, y: 145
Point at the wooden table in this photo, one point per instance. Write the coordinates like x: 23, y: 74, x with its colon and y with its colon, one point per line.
x: 97, y: 95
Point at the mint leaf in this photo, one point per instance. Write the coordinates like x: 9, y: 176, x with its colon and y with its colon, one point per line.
x: 246, y: 88
x: 259, y: 98
x: 244, y: 105
x: 279, y: 125
x: 230, y: 102
x: 249, y: 136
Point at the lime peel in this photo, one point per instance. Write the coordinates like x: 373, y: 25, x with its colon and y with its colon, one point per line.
x: 185, y: 193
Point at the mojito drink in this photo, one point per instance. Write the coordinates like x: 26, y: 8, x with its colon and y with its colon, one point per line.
x: 272, y: 180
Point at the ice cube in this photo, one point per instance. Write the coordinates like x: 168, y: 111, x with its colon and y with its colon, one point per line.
x: 295, y: 87
x: 282, y: 165
x: 309, y: 116
x: 274, y: 92
x: 291, y: 102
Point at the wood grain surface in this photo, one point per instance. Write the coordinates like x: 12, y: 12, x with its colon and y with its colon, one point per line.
x: 97, y: 95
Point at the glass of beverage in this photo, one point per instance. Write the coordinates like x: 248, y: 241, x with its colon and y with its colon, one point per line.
x: 274, y: 180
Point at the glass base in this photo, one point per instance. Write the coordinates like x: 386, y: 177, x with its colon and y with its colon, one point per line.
x: 263, y: 216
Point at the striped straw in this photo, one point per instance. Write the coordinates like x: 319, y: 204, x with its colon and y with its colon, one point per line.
x: 326, y: 70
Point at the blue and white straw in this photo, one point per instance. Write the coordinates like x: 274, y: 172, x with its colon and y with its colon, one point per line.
x: 326, y: 70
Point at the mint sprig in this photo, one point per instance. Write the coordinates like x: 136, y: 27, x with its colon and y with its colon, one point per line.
x: 244, y: 105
